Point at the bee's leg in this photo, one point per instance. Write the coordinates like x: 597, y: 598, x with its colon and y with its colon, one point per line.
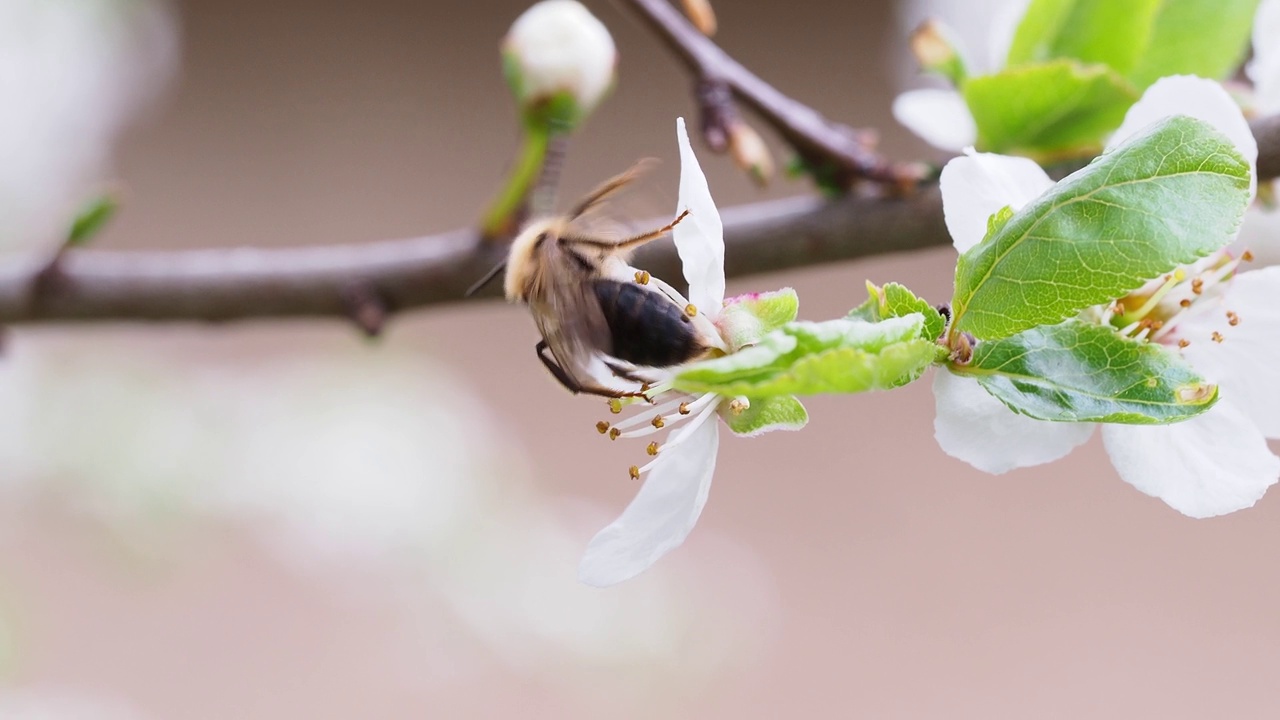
x: 626, y: 243
x: 609, y: 187
x: 572, y: 385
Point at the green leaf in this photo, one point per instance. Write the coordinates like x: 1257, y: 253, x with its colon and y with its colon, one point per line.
x: 1165, y: 198
x: 1081, y: 372
x: 747, y: 318
x: 801, y: 358
x: 894, y: 300
x: 92, y: 218
x: 1092, y: 31
x: 780, y: 412
x: 1208, y: 38
x: 1062, y: 107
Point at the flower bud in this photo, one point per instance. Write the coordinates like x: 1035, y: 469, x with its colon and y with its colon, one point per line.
x: 701, y: 15
x: 559, y: 60
x: 935, y: 50
x: 749, y: 152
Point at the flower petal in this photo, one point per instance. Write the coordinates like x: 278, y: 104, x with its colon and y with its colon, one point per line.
x: 973, y: 426
x: 1210, y: 465
x: 940, y: 117
x: 1004, y: 26
x: 1199, y: 98
x: 978, y: 185
x: 699, y: 237
x: 1264, y: 69
x: 1244, y: 363
x: 662, y: 513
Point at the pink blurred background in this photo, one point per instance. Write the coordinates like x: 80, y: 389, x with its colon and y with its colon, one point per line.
x: 276, y: 520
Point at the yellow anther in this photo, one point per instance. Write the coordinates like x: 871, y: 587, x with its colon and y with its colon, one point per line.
x: 642, y: 277
x: 1247, y: 256
x: 634, y: 472
x: 1217, y: 336
x: 614, y: 433
x: 603, y: 427
x: 1183, y: 343
x: 615, y: 406
x: 652, y: 449
x: 1197, y: 286
x: 658, y: 422
x: 1232, y: 318
x: 1180, y: 274
x: 739, y: 405
x: 684, y: 408
x: 1185, y: 302
x: 690, y: 310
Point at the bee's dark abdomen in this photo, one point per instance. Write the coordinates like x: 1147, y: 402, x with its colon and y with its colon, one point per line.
x: 646, y: 327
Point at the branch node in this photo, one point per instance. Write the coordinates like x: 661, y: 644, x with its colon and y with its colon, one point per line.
x: 366, y: 307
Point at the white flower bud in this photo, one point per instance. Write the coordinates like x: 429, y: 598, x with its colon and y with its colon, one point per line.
x: 558, y: 46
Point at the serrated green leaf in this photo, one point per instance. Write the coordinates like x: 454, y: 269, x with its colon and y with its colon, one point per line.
x: 837, y: 356
x: 895, y: 300
x: 1056, y: 108
x: 1167, y: 197
x: 781, y: 412
x: 92, y: 218
x: 1092, y: 31
x: 1208, y: 38
x: 1081, y: 372
x: 747, y: 318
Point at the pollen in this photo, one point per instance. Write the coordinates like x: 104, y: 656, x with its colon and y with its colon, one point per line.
x: 690, y: 310
x: 652, y: 449
x: 684, y: 408
x: 658, y: 422
x: 615, y: 406
x: 1197, y: 286
x: 642, y: 277
x: 634, y: 472
x: 602, y: 427
x: 614, y: 433
x: 1247, y: 256
x: 1185, y: 302
x: 1183, y: 343
x: 1232, y: 318
x: 1217, y: 336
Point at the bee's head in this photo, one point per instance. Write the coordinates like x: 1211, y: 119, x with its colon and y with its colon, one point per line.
x: 525, y: 257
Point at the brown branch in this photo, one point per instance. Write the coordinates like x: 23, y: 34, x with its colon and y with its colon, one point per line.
x: 371, y: 279
x: 820, y: 142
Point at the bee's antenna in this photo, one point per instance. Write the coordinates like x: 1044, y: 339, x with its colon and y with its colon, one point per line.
x: 488, y: 277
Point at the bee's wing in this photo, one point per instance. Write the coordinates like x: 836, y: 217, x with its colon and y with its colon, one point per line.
x: 569, y: 316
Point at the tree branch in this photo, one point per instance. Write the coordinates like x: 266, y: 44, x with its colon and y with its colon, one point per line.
x: 820, y: 142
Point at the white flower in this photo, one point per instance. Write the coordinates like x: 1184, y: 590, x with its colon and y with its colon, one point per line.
x: 941, y: 117
x: 72, y: 74
x: 559, y: 46
x: 1226, y: 324
x: 678, y: 479
x: 1264, y: 69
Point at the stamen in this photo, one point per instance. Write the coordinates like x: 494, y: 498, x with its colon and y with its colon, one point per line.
x: 614, y: 433
x: 615, y: 406
x: 1197, y: 286
x: 739, y: 405
x: 602, y: 426
x: 642, y: 277
x: 1232, y: 318
x: 1247, y: 256
x: 652, y: 449
x: 658, y: 422
x: 1185, y: 302
x: 1170, y: 281
x: 684, y: 408
x: 634, y: 472
x: 1183, y: 343
x: 1217, y: 336
x: 690, y: 310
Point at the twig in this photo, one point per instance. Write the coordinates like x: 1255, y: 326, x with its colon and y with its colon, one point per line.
x: 820, y: 142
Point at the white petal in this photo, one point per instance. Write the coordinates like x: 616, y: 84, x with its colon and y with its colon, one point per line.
x: 1264, y: 69
x: 1244, y: 363
x: 699, y: 237
x: 939, y: 117
x: 1260, y: 233
x: 1212, y: 464
x: 662, y: 513
x: 978, y: 185
x: 973, y: 426
x: 1004, y: 25
x: 1199, y: 98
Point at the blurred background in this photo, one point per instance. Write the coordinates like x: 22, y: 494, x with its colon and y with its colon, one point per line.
x: 273, y: 520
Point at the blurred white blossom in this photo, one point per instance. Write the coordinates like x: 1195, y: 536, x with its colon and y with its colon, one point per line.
x: 72, y: 74
x: 559, y: 46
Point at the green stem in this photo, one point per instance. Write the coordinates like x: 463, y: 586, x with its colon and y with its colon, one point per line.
x: 502, y: 216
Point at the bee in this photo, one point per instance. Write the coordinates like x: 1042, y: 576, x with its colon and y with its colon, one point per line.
x: 590, y: 306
